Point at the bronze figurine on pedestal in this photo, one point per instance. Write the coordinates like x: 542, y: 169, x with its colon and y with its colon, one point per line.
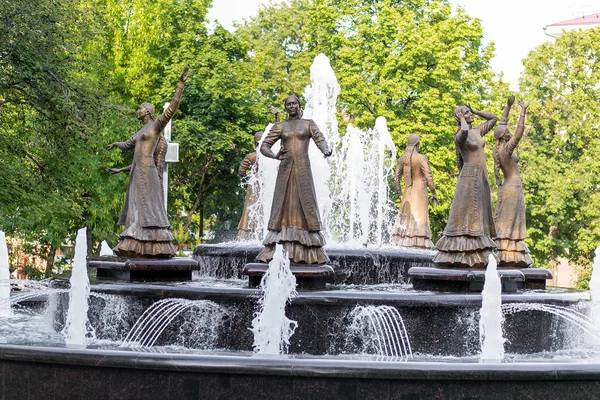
x: 510, y: 208
x: 294, y: 221
x: 147, y: 231
x: 247, y: 226
x: 412, y: 223
x: 468, y: 237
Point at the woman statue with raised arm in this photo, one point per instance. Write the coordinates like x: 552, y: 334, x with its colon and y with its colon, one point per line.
x: 412, y: 223
x: 510, y: 208
x: 147, y: 232
x: 468, y: 237
x: 294, y: 221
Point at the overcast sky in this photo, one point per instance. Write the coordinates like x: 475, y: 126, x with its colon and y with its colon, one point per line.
x: 515, y: 26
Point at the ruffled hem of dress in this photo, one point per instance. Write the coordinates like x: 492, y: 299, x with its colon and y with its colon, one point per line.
x: 472, y: 259
x: 293, y: 234
x: 465, y: 243
x: 129, y: 247
x: 148, y: 234
x: 514, y: 259
x: 511, y: 245
x: 296, y: 252
x: 412, y: 241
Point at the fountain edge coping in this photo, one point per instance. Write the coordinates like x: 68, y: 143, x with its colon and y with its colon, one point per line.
x: 301, y: 367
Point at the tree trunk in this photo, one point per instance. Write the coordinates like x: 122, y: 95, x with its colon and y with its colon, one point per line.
x: 50, y: 262
x: 89, y: 237
x: 201, y: 223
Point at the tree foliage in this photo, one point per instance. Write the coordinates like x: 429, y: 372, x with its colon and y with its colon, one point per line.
x: 560, y: 156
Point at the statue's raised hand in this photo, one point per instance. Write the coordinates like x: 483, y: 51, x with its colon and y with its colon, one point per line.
x: 523, y: 105
x: 511, y: 100
x: 185, y: 74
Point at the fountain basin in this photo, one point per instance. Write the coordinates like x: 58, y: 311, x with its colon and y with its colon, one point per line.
x: 366, y: 265
x: 441, y: 324
x: 36, y: 372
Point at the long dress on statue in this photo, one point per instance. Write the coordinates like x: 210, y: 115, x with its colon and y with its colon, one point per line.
x: 511, y: 229
x: 147, y: 228
x: 247, y: 225
x: 294, y: 220
x: 412, y: 223
x: 467, y: 240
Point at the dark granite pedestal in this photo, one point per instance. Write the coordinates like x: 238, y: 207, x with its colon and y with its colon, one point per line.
x: 468, y: 280
x: 308, y: 276
x: 461, y: 280
x: 143, y: 270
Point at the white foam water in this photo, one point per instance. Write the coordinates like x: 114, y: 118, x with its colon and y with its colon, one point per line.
x: 76, y: 326
x: 595, y: 292
x: 105, y: 249
x: 383, y: 328
x: 4, y: 278
x: 491, y: 318
x: 271, y: 328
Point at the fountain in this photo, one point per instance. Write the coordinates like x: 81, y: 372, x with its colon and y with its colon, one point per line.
x: 369, y: 335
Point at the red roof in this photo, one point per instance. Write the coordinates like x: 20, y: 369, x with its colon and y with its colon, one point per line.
x: 591, y: 19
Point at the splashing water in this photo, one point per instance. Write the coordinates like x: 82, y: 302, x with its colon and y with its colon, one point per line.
x: 321, y: 98
x: 262, y: 176
x: 105, y: 249
x: 385, y: 325
x: 491, y: 318
x: 574, y: 317
x: 76, y: 326
x: 272, y: 329
x: 595, y: 290
x: 4, y: 278
x: 148, y: 328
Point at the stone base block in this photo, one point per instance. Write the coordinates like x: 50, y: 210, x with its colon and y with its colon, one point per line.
x: 535, y: 278
x: 143, y: 270
x: 308, y: 276
x: 461, y: 280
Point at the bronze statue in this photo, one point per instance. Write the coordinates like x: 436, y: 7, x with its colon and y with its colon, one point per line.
x: 412, y: 223
x: 147, y: 230
x: 510, y: 208
x: 294, y: 220
x: 247, y: 227
x: 467, y: 239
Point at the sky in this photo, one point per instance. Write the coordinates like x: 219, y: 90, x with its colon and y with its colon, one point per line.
x: 515, y: 26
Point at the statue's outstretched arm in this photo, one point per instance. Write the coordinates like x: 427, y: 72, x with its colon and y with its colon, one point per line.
x: 509, y: 102
x: 245, y: 165
x: 429, y: 177
x: 514, y: 141
x: 461, y: 136
x: 273, y: 136
x: 166, y: 116
x: 319, y: 139
x: 399, y: 174
x: 487, y: 125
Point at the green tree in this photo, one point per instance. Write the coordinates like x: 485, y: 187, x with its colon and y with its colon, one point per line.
x: 560, y: 157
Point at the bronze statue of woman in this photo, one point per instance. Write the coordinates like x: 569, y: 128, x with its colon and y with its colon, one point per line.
x: 147, y: 229
x: 412, y: 223
x: 294, y: 221
x: 468, y: 237
x: 510, y: 208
